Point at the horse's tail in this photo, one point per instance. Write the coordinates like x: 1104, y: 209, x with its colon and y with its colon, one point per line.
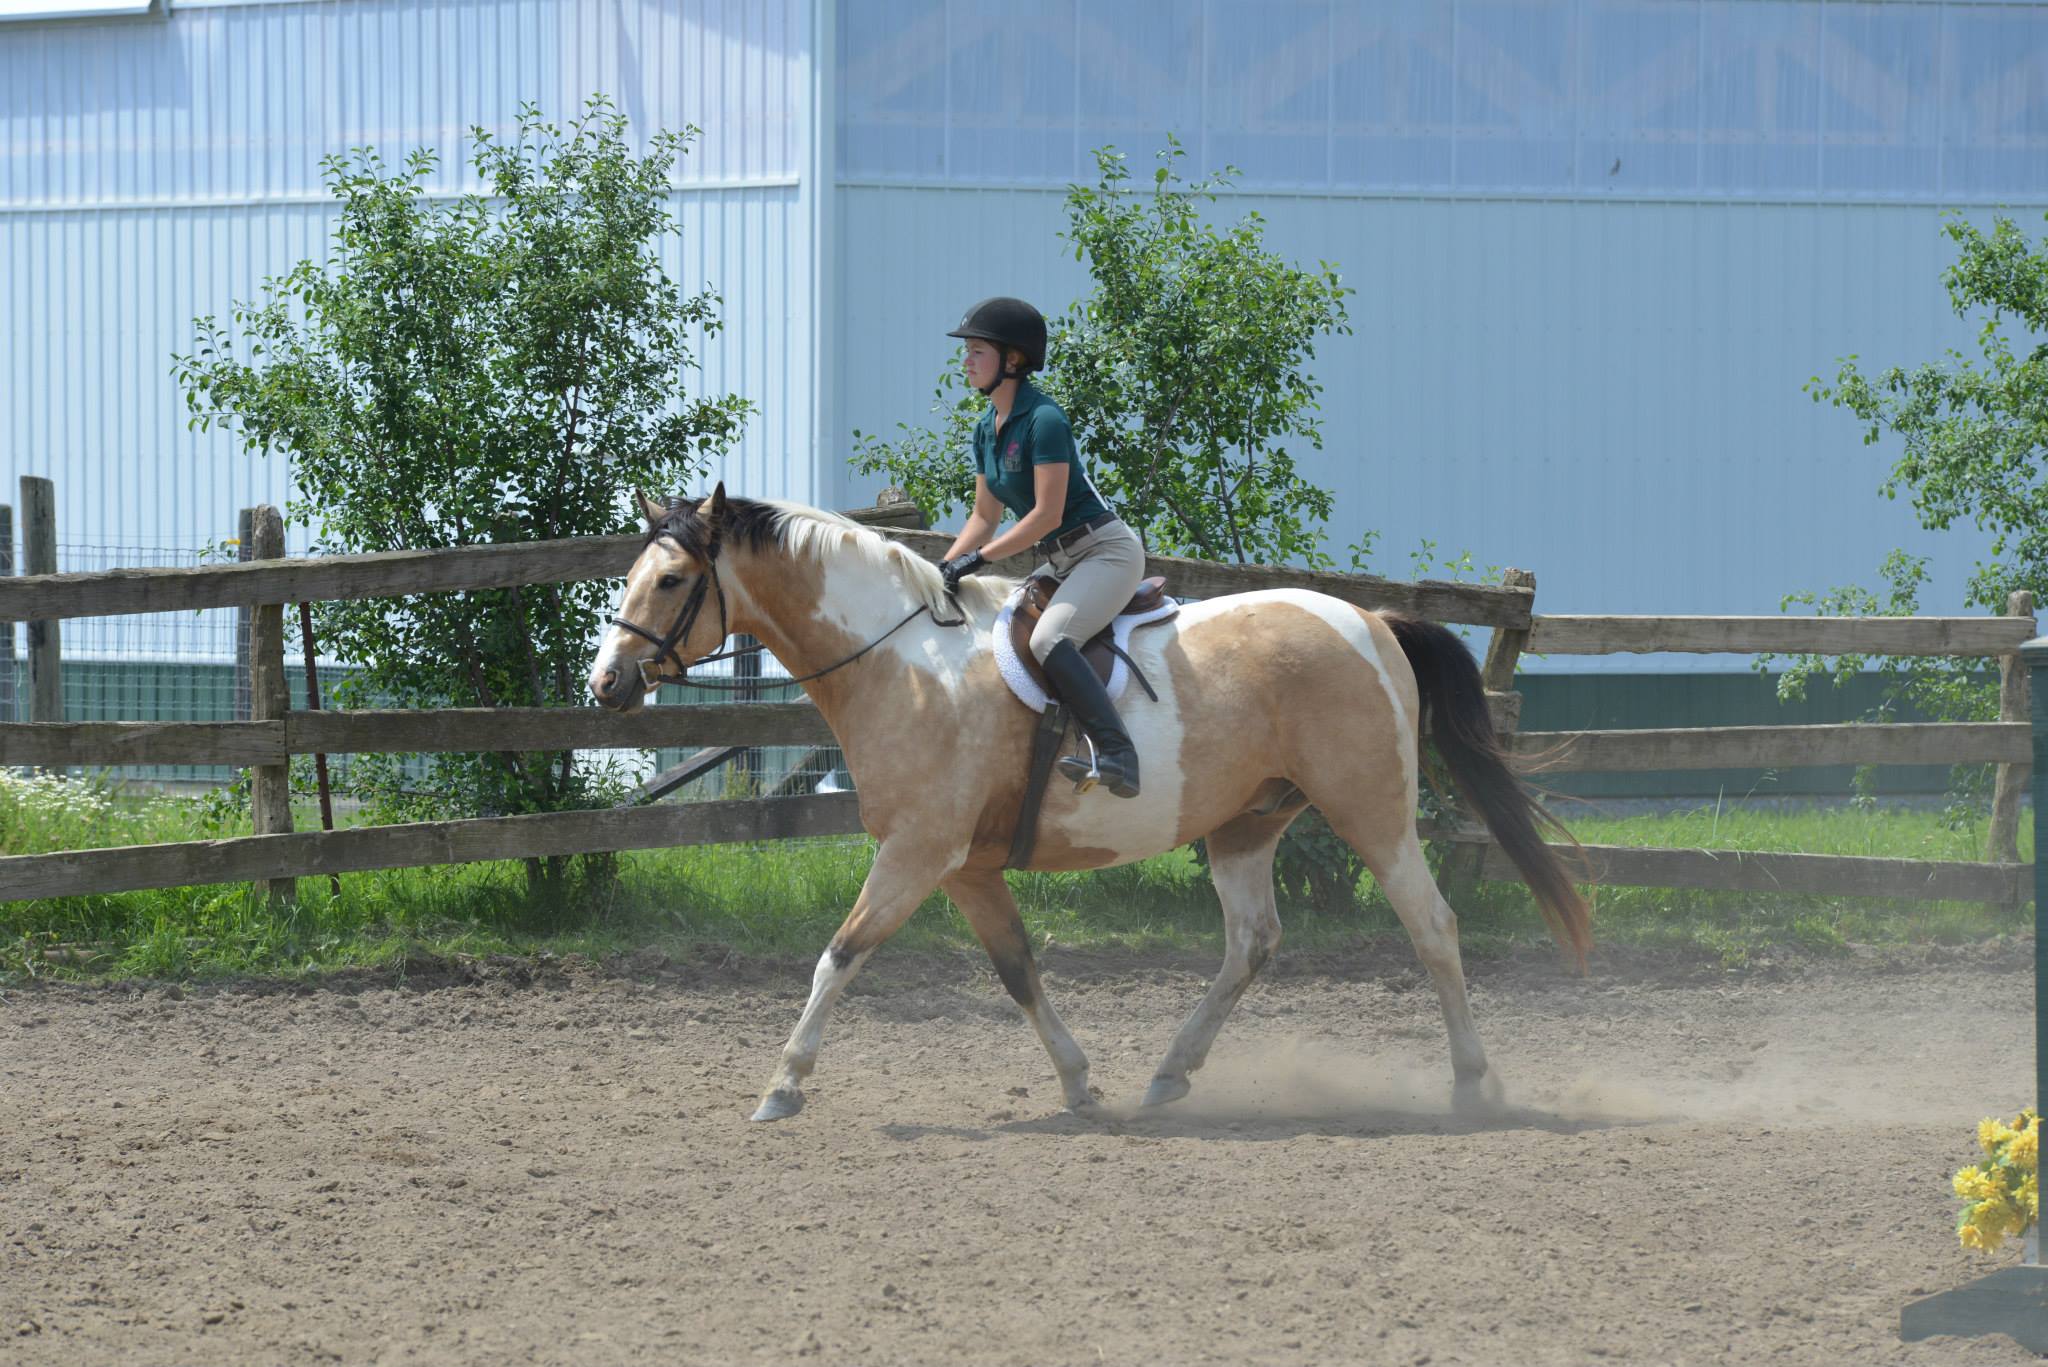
x: 1455, y: 716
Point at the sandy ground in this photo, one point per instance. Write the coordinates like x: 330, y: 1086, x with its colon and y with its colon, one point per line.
x: 510, y: 1164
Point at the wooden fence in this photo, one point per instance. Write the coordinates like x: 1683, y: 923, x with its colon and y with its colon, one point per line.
x: 274, y: 733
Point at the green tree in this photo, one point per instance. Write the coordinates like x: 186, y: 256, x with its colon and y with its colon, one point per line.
x: 1184, y: 373
x: 484, y: 370
x: 1973, y: 431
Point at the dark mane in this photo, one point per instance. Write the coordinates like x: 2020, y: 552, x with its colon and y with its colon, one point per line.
x: 748, y: 522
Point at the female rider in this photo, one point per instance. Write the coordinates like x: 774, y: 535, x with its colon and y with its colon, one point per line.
x: 1024, y: 460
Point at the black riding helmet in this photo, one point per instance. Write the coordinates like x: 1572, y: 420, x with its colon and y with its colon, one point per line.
x: 1008, y: 323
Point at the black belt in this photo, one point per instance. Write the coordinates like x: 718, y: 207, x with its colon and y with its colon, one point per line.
x: 1073, y: 534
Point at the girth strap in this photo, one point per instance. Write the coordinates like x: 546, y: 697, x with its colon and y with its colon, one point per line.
x: 1045, y: 748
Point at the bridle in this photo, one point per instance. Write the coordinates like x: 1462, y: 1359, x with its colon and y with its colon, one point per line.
x: 693, y: 607
x: 707, y: 583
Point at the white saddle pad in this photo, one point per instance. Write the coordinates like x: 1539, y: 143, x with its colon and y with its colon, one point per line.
x: 1018, y: 676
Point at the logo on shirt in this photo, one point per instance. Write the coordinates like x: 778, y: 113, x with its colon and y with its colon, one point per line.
x: 1013, y: 458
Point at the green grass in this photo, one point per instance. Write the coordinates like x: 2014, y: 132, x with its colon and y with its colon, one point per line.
x: 786, y: 898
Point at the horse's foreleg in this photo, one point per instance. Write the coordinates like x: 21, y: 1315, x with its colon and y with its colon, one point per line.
x: 1241, y: 864
x: 984, y: 899
x: 899, y: 880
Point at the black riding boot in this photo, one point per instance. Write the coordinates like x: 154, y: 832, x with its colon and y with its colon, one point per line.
x: 1116, y: 761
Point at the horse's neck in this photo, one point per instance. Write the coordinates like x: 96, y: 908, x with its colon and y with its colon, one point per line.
x: 815, y: 614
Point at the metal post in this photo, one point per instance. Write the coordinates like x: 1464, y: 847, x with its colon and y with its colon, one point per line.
x: 6, y: 628
x: 313, y: 705
x: 2013, y: 1301
x: 746, y: 670
x: 39, y: 556
x: 2034, y: 655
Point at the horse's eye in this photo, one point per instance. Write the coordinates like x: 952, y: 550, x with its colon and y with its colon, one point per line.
x: 669, y: 581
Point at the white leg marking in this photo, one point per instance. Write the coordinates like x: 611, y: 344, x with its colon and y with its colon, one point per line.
x: 1067, y: 1059
x: 784, y: 1096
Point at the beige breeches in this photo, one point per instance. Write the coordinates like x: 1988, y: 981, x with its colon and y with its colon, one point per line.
x: 1098, y: 574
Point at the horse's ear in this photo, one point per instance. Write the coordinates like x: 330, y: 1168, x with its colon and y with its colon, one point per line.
x: 714, y: 507
x: 651, y: 509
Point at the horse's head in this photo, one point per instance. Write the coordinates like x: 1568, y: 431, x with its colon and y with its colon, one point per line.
x: 673, y: 610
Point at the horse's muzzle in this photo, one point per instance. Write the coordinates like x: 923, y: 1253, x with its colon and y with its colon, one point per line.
x: 619, y: 692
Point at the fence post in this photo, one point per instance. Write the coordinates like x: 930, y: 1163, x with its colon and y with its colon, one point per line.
x: 2002, y: 845
x: 6, y: 628
x: 39, y: 556
x: 1459, y: 877
x: 270, y: 790
x: 245, y: 548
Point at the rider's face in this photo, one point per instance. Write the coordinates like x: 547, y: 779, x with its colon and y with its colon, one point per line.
x: 982, y: 364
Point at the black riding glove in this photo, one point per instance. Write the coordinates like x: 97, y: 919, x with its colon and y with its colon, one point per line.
x: 959, y: 567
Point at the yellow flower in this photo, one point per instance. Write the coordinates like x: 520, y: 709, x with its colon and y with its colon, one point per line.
x: 1981, y: 1240
x: 1975, y: 1184
x: 1991, y: 1132
x: 2001, y: 1195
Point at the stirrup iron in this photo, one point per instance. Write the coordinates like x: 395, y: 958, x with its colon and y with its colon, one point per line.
x: 1084, y: 782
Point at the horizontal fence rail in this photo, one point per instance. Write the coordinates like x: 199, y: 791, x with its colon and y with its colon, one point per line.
x: 1777, y: 747
x: 409, y: 732
x: 450, y: 730
x: 254, y: 858
x: 1982, y: 636
x: 1827, y: 875
x: 678, y: 725
x: 387, y: 574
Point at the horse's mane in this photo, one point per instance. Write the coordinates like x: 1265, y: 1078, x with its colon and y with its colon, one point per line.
x: 797, y: 530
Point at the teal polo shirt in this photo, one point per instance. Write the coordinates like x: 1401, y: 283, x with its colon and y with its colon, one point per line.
x: 1036, y: 434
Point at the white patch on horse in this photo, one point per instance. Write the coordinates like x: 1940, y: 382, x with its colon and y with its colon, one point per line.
x: 867, y: 605
x: 1135, y: 827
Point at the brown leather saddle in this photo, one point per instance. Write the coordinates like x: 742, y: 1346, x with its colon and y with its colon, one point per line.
x: 1100, y: 650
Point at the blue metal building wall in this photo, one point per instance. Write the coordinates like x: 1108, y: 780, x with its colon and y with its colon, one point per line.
x: 155, y: 170
x: 1598, y: 244
x: 1599, y: 247
x: 1608, y: 394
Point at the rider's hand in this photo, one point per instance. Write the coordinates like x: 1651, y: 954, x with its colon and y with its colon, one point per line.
x: 959, y: 567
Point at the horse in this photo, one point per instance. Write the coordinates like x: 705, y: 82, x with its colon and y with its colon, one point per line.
x: 1267, y: 702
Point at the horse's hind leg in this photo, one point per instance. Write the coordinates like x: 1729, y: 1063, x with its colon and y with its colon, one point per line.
x: 984, y: 899
x: 1403, y: 874
x: 901, y: 876
x: 1241, y: 864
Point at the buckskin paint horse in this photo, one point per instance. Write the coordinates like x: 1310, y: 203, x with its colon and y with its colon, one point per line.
x: 1267, y: 702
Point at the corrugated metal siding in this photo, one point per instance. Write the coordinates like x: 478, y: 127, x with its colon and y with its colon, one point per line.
x: 1608, y: 394
x: 1704, y: 98
x: 240, y: 103
x: 152, y: 172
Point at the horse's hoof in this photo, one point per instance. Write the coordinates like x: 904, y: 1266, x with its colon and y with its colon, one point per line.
x: 780, y: 1104
x: 1165, y: 1089
x: 1479, y: 1098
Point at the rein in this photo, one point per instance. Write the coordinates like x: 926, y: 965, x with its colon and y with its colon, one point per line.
x: 693, y: 607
